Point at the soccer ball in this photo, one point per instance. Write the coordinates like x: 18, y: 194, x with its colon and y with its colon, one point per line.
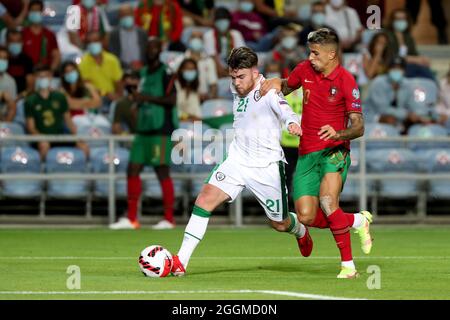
x: 155, y: 261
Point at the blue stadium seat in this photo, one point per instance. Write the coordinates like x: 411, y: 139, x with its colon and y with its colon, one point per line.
x: 351, y: 189
x: 381, y: 130
x: 437, y: 161
x: 152, y: 187
x: 9, y: 129
x: 66, y: 160
x: 21, y: 160
x: 425, y: 96
x: 400, y: 160
x: 223, y: 88
x: 216, y: 108
x: 427, y: 131
x: 95, y: 129
x: 100, y: 164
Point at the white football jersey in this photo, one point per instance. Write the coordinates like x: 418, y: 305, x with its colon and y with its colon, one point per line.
x: 258, y: 122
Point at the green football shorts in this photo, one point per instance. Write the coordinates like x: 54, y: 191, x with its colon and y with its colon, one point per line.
x: 151, y: 150
x: 312, y: 167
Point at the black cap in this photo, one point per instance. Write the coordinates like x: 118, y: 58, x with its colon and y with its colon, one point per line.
x: 397, y: 62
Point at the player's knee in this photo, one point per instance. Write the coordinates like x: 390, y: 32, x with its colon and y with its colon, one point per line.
x: 305, y: 216
x: 279, y: 226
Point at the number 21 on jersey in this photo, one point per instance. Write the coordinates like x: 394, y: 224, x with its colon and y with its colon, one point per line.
x: 242, y: 106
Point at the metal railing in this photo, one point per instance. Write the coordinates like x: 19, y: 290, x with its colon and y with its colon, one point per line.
x: 111, y: 176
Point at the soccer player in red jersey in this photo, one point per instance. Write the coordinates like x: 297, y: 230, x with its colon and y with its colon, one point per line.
x: 330, y: 99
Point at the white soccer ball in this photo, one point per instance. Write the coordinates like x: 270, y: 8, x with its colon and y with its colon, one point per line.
x: 155, y: 261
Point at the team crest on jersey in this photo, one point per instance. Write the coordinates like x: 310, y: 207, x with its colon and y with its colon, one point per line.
x: 257, y: 95
x: 220, y: 176
x: 333, y: 93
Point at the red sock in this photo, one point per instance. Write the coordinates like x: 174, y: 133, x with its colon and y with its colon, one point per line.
x: 341, y: 232
x: 134, y: 187
x: 322, y: 222
x: 168, y: 194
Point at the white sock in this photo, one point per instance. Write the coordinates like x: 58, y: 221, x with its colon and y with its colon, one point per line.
x: 193, y: 234
x: 348, y: 264
x: 298, y: 229
x: 359, y: 220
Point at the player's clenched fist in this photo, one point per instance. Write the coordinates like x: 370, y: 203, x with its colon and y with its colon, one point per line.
x: 295, y: 129
x: 327, y: 132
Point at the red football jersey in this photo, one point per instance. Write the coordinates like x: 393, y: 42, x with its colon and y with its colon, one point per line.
x: 326, y: 100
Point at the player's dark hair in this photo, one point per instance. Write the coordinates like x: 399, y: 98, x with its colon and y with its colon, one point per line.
x: 242, y: 58
x: 323, y: 36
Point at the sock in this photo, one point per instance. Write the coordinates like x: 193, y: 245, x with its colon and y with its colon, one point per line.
x: 296, y: 228
x: 355, y: 220
x: 134, y: 190
x: 168, y: 195
x: 193, y: 234
x: 348, y: 264
x: 341, y: 232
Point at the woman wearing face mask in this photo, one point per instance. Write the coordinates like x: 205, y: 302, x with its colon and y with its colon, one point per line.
x: 221, y: 40
x: 403, y: 44
x: 188, y: 98
x: 81, y: 97
x: 377, y: 56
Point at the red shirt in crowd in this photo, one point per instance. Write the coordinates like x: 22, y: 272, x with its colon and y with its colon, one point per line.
x: 39, y: 47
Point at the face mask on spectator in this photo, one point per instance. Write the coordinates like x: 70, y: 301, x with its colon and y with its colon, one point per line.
x: 246, y: 6
x: 222, y: 24
x: 190, y: 75
x: 318, y: 19
x: 42, y: 83
x: 95, y: 48
x: 35, y: 17
x: 71, y: 77
x: 3, y: 65
x: 271, y: 75
x: 400, y: 25
x: 88, y: 4
x: 196, y: 44
x: 127, y: 22
x: 15, y: 48
x: 336, y: 3
x: 396, y: 75
x: 289, y: 42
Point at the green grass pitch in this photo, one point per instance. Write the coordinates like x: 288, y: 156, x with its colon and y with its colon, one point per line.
x: 248, y: 263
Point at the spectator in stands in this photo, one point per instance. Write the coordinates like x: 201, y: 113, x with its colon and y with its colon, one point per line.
x: 128, y: 42
x: 20, y: 65
x: 276, y: 13
x: 93, y: 18
x: 12, y: 14
x: 162, y: 19
x: 8, y: 89
x: 402, y: 43
x: 152, y: 144
x: 443, y: 106
x: 39, y: 42
x: 47, y: 112
x: 345, y: 21
x: 389, y: 99
x: 221, y: 40
x: 102, y: 69
x: 250, y: 24
x: 187, y: 84
x: 197, y: 12
x: 288, y: 53
x: 125, y: 113
x: 207, y: 71
x: 81, y: 97
x: 317, y: 21
x: 377, y: 56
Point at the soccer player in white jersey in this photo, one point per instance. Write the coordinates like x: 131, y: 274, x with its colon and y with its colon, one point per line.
x: 255, y: 160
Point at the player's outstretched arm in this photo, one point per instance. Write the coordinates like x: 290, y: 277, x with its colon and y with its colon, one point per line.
x: 355, y: 130
x: 277, y: 84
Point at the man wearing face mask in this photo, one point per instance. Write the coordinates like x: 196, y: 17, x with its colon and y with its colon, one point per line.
x: 316, y: 21
x: 20, y: 66
x: 250, y: 23
x: 93, y: 18
x: 345, y: 21
x: 128, y: 41
x: 102, y: 69
x: 125, y: 113
x: 207, y: 71
x: 8, y: 90
x: 47, y: 112
x: 156, y: 120
x: 389, y: 98
x: 221, y: 40
x: 39, y: 43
